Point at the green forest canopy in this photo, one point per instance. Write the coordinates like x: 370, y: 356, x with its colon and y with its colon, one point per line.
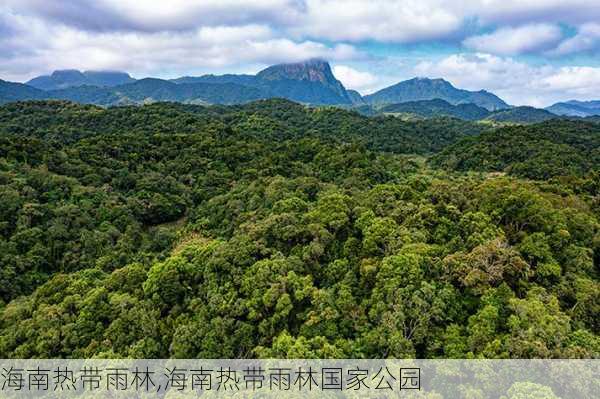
x: 276, y: 230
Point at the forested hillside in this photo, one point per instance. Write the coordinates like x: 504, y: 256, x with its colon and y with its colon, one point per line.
x: 437, y: 107
x: 274, y: 119
x: 521, y: 115
x: 276, y: 230
x: 557, y: 148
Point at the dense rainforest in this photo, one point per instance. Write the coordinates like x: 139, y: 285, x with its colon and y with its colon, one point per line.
x: 276, y: 230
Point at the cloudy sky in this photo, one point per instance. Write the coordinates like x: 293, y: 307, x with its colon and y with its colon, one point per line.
x: 532, y: 52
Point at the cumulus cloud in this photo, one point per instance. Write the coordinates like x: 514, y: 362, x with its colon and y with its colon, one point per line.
x: 515, y: 12
x: 394, y: 21
x: 519, y: 40
x: 578, y: 81
x: 353, y: 20
x: 404, y: 21
x: 37, y: 47
x: 354, y: 79
x: 158, y: 15
x: 516, y: 82
x: 586, y: 39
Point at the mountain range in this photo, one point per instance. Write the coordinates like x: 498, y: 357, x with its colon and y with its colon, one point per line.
x: 576, y: 108
x: 436, y: 107
x: 309, y: 82
x: 418, y: 89
x: 72, y: 77
x: 469, y: 112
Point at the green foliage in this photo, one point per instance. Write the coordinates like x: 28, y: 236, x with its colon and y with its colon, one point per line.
x: 275, y: 230
x: 529, y: 390
x: 436, y: 108
x: 521, y: 115
x: 542, y: 151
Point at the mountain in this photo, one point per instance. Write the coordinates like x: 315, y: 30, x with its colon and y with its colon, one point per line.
x: 309, y: 82
x: 140, y: 92
x: 355, y: 97
x: 521, y: 115
x: 437, y: 107
x: 419, y: 89
x: 247, y: 80
x: 10, y: 92
x: 469, y: 112
x: 108, y: 78
x: 152, y: 90
x: 576, y: 108
x: 315, y: 70
x: 87, y: 95
x: 73, y: 78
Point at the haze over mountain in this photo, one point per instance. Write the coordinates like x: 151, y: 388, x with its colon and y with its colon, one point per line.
x: 418, y: 89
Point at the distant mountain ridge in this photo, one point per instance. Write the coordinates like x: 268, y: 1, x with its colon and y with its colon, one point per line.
x: 419, y: 89
x: 576, y: 108
x: 149, y: 90
x: 11, y: 91
x: 65, y: 79
x: 309, y: 82
x: 470, y: 112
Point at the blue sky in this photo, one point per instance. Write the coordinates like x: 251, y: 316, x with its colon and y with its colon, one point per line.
x: 533, y: 52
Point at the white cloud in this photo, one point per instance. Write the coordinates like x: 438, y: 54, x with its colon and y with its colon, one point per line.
x: 353, y: 79
x: 410, y: 21
x: 512, y: 41
x: 37, y: 47
x: 516, y: 82
x: 476, y: 71
x: 346, y: 20
x: 586, y: 39
x: 158, y: 15
x: 394, y: 21
x: 579, y: 81
x: 514, y: 12
x: 178, y: 14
